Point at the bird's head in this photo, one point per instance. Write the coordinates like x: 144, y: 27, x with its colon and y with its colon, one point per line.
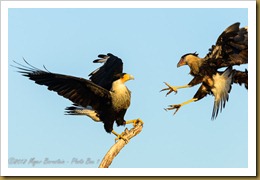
x: 123, y: 77
x: 186, y: 59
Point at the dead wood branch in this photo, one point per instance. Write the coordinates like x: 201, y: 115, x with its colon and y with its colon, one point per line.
x: 116, y: 148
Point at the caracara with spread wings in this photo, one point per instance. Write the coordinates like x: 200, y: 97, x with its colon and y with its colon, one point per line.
x: 103, y: 98
x: 230, y: 49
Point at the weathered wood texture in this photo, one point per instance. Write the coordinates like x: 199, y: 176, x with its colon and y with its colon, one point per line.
x: 118, y: 146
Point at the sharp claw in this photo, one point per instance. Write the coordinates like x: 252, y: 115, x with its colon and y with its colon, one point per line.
x: 170, y: 91
x: 169, y: 88
x: 166, y: 84
x: 176, y: 111
x: 172, y: 107
x: 137, y: 121
x: 121, y: 137
x: 165, y: 89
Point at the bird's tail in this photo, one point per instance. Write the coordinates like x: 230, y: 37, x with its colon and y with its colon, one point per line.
x: 78, y: 110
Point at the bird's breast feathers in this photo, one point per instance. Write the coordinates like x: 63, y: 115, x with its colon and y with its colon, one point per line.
x: 120, y: 96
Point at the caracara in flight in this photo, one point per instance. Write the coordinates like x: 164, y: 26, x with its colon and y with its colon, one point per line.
x: 103, y: 98
x: 230, y: 49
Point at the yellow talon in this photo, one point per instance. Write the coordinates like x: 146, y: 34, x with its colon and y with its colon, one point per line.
x: 134, y: 121
x: 120, y: 136
x: 178, y: 106
x: 171, y: 107
x: 170, y: 89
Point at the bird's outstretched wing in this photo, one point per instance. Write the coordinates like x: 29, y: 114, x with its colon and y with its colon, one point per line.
x: 80, y: 91
x: 104, y: 75
x: 241, y: 77
x: 230, y: 49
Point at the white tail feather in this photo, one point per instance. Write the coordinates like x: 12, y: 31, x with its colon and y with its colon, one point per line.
x: 74, y: 110
x: 222, y: 86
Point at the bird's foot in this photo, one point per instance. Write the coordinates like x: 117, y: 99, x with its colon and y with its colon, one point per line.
x: 178, y: 106
x: 169, y: 88
x: 174, y: 106
x: 120, y: 136
x: 135, y: 121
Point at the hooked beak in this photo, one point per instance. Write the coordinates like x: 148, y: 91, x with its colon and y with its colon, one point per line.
x: 127, y: 77
x: 181, y: 62
x: 131, y: 77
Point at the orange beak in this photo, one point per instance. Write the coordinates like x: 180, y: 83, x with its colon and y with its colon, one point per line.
x: 181, y: 62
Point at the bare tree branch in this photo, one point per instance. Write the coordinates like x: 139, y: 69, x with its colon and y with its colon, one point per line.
x: 116, y: 148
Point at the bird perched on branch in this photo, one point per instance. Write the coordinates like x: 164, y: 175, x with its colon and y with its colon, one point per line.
x: 230, y: 49
x: 103, y: 98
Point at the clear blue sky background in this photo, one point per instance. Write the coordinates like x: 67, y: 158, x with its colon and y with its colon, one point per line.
x: 150, y: 42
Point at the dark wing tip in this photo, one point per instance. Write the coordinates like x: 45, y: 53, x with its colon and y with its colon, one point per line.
x: 232, y: 28
x: 103, y: 57
x: 96, y: 61
x: 70, y: 108
x: 110, y: 54
x: 26, y: 70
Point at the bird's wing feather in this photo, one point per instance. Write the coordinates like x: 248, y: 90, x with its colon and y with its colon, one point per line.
x: 221, y: 89
x: 104, y: 75
x: 80, y: 91
x: 230, y: 49
x: 241, y: 77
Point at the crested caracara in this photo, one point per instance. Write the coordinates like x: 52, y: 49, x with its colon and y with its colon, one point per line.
x: 103, y: 98
x: 230, y: 49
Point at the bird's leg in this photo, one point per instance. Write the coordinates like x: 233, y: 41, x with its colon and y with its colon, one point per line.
x: 178, y: 106
x: 134, y: 121
x: 170, y: 88
x: 119, y: 136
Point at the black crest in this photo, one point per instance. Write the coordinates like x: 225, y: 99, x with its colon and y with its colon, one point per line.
x: 194, y: 54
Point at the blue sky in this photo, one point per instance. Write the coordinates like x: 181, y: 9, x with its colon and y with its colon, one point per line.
x: 150, y: 43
